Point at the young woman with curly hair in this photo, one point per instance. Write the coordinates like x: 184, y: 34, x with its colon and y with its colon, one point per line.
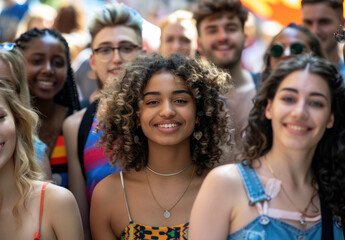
x: 164, y: 121
x: 29, y: 208
x: 292, y: 164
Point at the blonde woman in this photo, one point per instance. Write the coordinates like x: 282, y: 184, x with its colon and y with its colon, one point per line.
x: 30, y: 208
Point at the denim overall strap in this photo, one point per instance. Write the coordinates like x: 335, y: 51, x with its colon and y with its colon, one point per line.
x: 255, y: 190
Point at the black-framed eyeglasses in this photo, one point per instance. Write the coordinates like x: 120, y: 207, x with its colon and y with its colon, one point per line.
x: 296, y: 48
x: 7, y: 46
x: 127, y: 52
x: 339, y: 35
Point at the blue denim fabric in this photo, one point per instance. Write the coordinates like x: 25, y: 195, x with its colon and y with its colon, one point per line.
x: 268, y: 228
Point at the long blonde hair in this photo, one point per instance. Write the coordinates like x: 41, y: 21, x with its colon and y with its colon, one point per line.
x: 16, y: 63
x: 26, y: 168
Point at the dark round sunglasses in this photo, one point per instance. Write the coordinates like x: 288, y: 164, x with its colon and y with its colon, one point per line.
x: 277, y: 50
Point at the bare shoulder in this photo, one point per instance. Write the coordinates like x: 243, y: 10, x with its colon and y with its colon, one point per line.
x: 226, y: 173
x: 74, y: 120
x: 225, y: 178
x: 58, y: 196
x: 108, y: 189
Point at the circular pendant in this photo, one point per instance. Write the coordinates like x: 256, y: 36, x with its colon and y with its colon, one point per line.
x: 167, y: 214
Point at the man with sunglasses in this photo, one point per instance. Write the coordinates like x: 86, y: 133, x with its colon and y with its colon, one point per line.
x: 116, y: 33
x: 220, y: 25
x: 323, y: 18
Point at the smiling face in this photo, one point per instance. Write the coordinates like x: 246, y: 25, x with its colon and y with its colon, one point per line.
x: 7, y: 133
x: 112, y: 37
x: 287, y: 37
x: 46, y: 66
x: 300, y: 111
x: 179, y: 37
x: 221, y: 39
x: 323, y: 21
x: 168, y: 111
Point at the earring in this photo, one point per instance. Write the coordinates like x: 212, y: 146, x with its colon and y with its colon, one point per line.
x: 197, y: 135
x: 136, y: 139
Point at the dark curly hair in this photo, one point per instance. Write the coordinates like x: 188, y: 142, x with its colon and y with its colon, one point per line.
x: 68, y: 96
x: 119, y: 104
x: 313, y: 41
x: 207, y: 8
x: 328, y: 162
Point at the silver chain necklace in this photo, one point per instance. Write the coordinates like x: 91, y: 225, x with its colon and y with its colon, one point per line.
x: 168, y: 174
x: 167, y: 212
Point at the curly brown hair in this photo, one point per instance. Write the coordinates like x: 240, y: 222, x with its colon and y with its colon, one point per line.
x: 207, y: 8
x: 328, y: 162
x: 119, y: 104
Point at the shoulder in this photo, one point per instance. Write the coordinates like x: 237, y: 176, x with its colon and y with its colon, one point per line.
x: 108, y: 188
x: 224, y: 179
x: 57, y: 200
x: 225, y: 173
x: 74, y: 120
x: 58, y: 196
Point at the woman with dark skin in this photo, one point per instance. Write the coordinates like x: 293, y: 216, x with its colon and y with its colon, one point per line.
x: 292, y: 163
x: 163, y: 120
x: 52, y: 89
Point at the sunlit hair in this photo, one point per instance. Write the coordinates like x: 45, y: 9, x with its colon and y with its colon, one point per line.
x: 16, y: 65
x: 68, y: 95
x: 37, y: 16
x: 328, y: 163
x: 182, y: 17
x: 207, y: 8
x: 177, y: 16
x: 119, y: 105
x: 313, y: 42
x: 337, y: 5
x: 26, y: 168
x: 115, y: 14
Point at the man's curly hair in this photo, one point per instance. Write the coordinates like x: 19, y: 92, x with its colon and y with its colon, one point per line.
x: 119, y: 104
x: 328, y: 163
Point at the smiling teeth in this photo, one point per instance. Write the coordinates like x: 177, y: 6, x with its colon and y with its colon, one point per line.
x: 167, y: 125
x: 297, y: 128
x: 46, y: 83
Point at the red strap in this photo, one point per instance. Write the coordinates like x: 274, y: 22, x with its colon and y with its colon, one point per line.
x: 38, y: 234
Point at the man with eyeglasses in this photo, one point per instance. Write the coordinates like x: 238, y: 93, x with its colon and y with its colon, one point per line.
x: 116, y: 33
x: 220, y: 25
x: 323, y: 18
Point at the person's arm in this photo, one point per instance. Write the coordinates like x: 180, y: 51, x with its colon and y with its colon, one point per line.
x: 100, y: 213
x: 63, y: 213
x: 76, y: 179
x: 210, y: 217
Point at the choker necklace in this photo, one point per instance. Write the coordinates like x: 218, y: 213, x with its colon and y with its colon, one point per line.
x: 167, y: 213
x: 167, y: 174
x: 303, y: 212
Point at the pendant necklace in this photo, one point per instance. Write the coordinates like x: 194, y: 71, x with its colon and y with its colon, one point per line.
x: 168, y: 174
x: 303, y: 212
x: 167, y: 212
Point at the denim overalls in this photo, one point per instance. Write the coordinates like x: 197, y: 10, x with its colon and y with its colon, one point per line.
x: 268, y: 228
